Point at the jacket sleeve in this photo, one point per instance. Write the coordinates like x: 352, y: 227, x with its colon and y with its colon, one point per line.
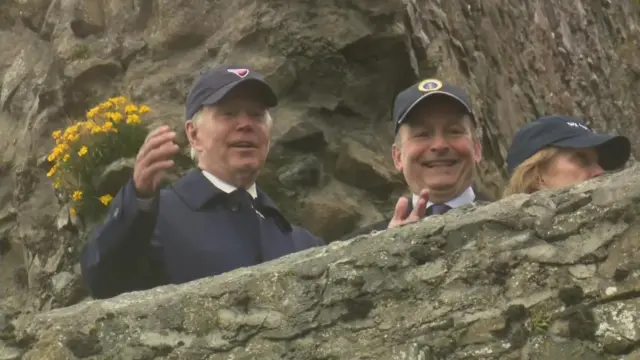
x: 306, y: 238
x: 120, y: 255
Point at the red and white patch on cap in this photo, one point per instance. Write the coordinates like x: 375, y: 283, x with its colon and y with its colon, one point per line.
x: 240, y: 72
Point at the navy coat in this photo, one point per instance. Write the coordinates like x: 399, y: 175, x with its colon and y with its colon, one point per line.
x: 194, y: 230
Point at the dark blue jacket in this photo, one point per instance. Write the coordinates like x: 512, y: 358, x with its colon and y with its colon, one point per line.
x: 195, y: 230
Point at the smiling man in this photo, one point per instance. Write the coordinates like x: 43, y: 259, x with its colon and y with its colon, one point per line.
x: 212, y: 220
x: 436, y: 148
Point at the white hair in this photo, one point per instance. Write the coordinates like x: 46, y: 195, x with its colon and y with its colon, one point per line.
x: 197, y: 117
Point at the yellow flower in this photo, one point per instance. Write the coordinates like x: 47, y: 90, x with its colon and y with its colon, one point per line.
x: 106, y: 199
x: 72, y: 211
x: 108, y: 126
x: 52, y: 171
x: 56, y: 134
x: 66, y: 157
x: 83, y: 151
x: 57, y: 151
x: 133, y: 119
x: 77, y: 195
x: 93, y: 112
x: 116, y: 117
x: 117, y: 101
x: 57, y: 184
x: 144, y: 109
x: 130, y: 109
x: 53, y: 155
x: 96, y: 130
x: 105, y: 105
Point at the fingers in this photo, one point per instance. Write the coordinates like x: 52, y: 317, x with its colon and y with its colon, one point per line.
x: 400, y: 212
x: 420, y: 209
x: 155, y: 139
x: 153, y: 158
x: 158, y: 177
x: 418, y: 212
x: 421, y: 206
x: 158, y: 146
x: 160, y: 153
x: 149, y: 173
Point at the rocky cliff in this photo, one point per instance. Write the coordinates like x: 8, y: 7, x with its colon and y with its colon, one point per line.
x: 336, y: 69
x: 550, y: 276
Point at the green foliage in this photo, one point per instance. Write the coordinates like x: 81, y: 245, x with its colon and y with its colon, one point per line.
x: 111, y: 131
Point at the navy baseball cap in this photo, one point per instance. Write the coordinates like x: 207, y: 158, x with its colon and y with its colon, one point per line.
x: 570, y: 133
x: 212, y: 85
x: 412, y: 96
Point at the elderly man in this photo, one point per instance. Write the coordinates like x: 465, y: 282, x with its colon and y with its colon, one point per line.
x: 436, y: 148
x: 214, y: 219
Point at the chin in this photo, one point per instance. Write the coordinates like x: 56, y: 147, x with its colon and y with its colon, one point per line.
x: 252, y: 165
x: 436, y: 185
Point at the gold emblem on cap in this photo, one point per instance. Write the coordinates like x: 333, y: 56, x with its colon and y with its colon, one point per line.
x: 429, y: 85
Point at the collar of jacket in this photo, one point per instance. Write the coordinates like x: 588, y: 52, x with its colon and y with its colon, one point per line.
x: 480, y: 197
x: 197, y: 191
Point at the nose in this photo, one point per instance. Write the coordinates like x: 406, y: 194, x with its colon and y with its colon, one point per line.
x: 244, y: 121
x: 439, y: 143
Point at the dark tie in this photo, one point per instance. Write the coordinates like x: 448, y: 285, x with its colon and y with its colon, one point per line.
x: 243, y: 202
x: 438, y: 209
x: 243, y: 198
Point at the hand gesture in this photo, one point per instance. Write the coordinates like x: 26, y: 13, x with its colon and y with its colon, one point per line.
x: 400, y: 216
x: 153, y: 159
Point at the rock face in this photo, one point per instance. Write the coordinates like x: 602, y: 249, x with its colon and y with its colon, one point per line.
x: 336, y: 69
x: 550, y: 276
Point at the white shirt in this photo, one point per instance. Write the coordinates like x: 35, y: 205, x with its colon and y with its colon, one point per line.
x: 145, y: 204
x: 467, y: 197
x: 226, y: 187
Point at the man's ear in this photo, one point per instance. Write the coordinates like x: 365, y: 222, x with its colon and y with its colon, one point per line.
x: 477, y: 147
x: 397, y: 156
x: 192, y: 133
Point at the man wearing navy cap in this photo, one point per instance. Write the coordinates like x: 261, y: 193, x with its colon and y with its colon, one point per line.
x: 436, y: 148
x: 214, y: 219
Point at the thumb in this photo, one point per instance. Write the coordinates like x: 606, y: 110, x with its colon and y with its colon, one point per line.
x: 157, y: 179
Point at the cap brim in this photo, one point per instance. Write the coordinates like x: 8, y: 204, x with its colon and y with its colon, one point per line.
x: 269, y: 97
x: 613, y: 151
x: 424, y: 97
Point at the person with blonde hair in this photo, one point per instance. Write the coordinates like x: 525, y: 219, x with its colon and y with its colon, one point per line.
x: 558, y: 151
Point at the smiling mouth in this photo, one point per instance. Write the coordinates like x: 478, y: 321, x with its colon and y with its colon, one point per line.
x: 440, y: 163
x: 244, y: 145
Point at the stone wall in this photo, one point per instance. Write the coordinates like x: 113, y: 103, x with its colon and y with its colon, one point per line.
x: 550, y: 276
x: 336, y: 69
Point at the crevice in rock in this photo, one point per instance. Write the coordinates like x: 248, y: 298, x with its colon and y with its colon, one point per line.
x: 145, y: 10
x: 9, y: 98
x: 83, y: 29
x: 29, y: 25
x: 357, y: 309
x: 94, y: 83
x: 185, y: 42
x: 5, y: 245
x: 83, y: 345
